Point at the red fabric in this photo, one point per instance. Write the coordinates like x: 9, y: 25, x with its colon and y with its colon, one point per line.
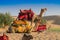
x: 31, y: 12
x: 1, y: 38
x: 31, y: 15
x: 41, y: 27
x: 22, y: 16
x: 25, y: 14
x: 4, y: 38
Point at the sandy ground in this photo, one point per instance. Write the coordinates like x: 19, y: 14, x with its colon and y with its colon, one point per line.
x: 36, y: 36
x: 52, y: 22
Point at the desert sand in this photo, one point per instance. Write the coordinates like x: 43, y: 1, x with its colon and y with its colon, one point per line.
x: 52, y: 22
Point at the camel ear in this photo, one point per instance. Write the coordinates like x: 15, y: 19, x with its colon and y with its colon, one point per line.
x: 46, y: 9
x: 42, y: 9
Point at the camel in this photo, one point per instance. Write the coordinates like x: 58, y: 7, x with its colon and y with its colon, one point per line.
x: 38, y: 17
x: 30, y: 15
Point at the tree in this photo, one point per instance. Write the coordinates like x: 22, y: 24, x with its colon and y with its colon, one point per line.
x: 5, y: 19
x: 1, y: 19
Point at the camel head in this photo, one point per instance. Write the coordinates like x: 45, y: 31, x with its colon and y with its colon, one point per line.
x: 42, y: 11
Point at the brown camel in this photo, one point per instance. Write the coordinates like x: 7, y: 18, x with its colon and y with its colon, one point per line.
x: 38, y: 17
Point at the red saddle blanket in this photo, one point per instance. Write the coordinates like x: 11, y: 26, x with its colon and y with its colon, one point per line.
x: 4, y: 37
x: 41, y: 28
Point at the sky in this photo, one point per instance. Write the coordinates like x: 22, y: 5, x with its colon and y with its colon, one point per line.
x: 13, y: 6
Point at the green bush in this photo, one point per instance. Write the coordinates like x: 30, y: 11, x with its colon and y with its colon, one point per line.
x: 5, y: 19
x: 43, y: 21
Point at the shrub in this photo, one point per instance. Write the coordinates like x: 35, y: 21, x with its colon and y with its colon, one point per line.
x: 43, y: 21
x: 5, y: 19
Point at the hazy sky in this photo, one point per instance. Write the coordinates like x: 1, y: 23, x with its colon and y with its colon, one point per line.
x: 13, y: 6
